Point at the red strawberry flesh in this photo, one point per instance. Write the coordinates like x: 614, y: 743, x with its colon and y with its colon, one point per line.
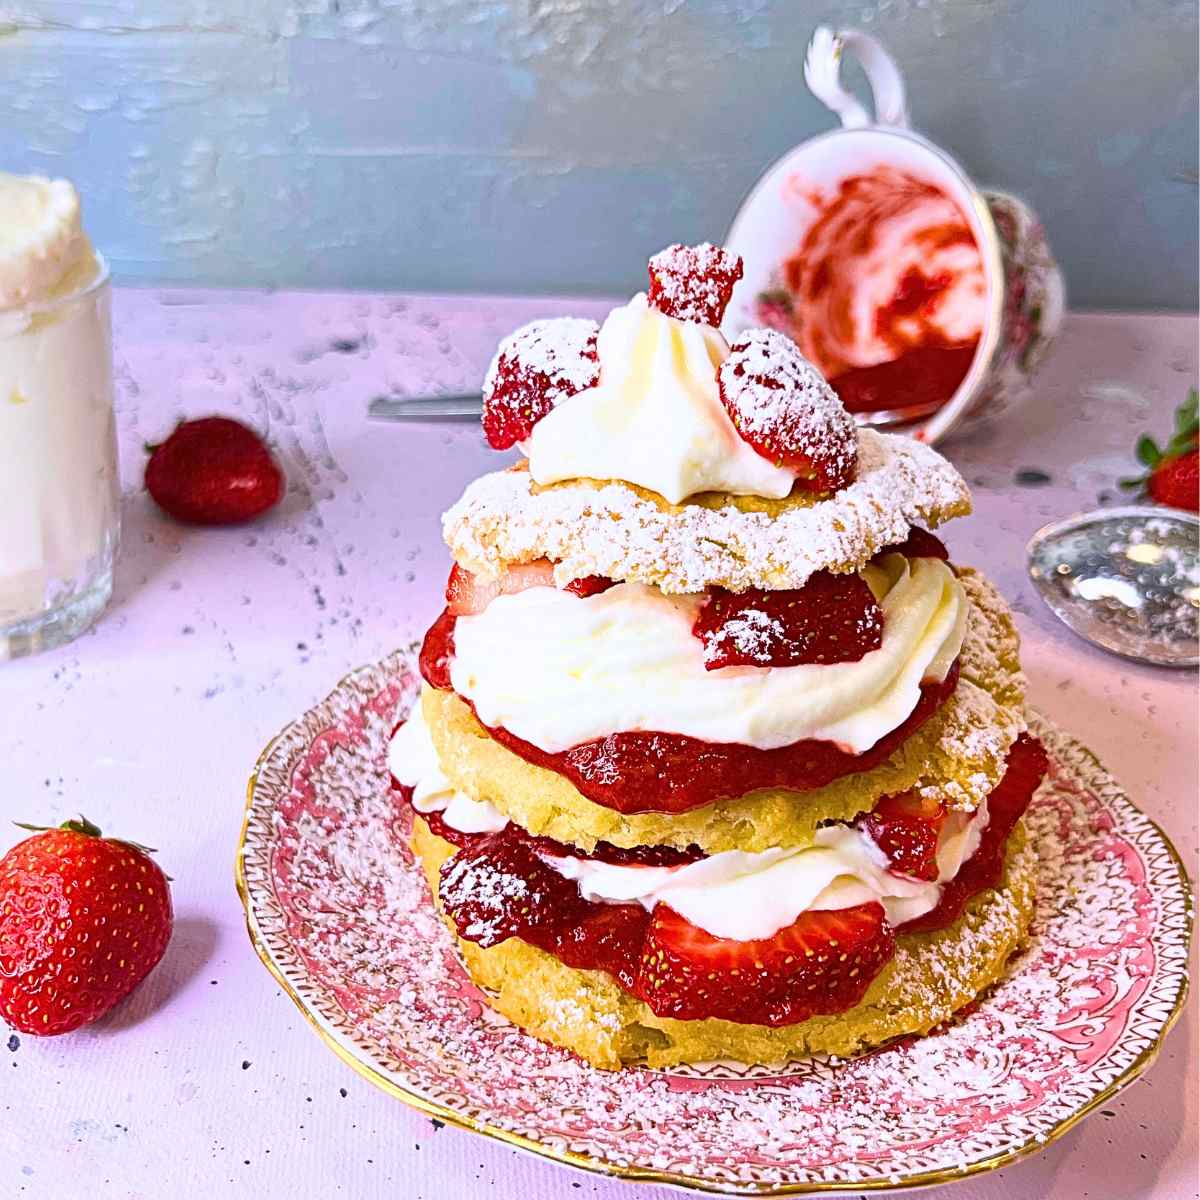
x: 1027, y: 764
x: 822, y: 963
x: 782, y: 408
x: 906, y: 827
x: 832, y: 619
x: 693, y: 283
x: 536, y: 368
x: 920, y: 543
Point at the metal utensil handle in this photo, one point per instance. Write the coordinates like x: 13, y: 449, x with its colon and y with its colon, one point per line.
x: 822, y: 69
x: 425, y: 408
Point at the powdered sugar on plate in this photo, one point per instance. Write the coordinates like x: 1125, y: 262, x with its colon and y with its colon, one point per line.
x: 341, y: 913
x: 608, y: 528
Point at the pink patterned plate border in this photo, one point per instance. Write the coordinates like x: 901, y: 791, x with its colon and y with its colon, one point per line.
x: 340, y: 914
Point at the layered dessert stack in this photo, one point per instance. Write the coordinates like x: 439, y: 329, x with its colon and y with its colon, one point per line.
x: 718, y: 754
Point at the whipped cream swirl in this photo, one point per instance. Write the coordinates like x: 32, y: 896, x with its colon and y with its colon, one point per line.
x: 557, y: 670
x: 655, y: 419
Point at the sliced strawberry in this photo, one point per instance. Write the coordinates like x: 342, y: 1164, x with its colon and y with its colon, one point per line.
x: 590, y: 585
x: 782, y: 407
x: 831, y: 619
x: 468, y: 594
x: 822, y: 963
x: 437, y: 651
x: 693, y: 283
x: 536, y: 368
x: 608, y: 938
x: 1027, y: 763
x: 906, y: 828
x: 920, y: 543
x: 499, y: 888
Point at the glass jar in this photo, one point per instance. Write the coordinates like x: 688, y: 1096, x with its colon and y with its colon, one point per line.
x: 59, y: 486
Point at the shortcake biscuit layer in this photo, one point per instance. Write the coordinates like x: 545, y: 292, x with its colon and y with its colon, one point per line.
x: 957, y: 756
x: 630, y: 534
x: 931, y: 977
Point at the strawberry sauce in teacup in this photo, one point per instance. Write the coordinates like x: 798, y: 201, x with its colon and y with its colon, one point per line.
x: 923, y: 300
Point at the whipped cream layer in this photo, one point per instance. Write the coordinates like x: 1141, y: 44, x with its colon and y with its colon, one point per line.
x: 557, y: 670
x: 731, y: 894
x: 746, y: 896
x: 413, y: 761
x: 655, y: 419
x: 44, y: 253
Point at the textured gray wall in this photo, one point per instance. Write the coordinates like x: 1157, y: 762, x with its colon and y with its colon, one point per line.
x: 551, y: 144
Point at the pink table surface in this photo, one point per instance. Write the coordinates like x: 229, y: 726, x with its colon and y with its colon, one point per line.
x: 208, y: 1082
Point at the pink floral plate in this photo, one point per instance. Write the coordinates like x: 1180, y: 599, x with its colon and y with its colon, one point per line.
x: 340, y: 914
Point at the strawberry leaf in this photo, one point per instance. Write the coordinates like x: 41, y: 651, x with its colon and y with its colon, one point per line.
x: 1148, y: 453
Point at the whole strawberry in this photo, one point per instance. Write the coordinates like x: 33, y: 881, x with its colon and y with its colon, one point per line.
x: 83, y: 920
x: 214, y: 471
x: 1174, y: 475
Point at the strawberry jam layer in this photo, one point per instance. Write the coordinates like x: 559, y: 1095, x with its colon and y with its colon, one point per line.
x: 498, y: 886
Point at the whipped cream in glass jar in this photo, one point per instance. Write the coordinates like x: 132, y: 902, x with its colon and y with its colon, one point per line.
x: 59, y: 487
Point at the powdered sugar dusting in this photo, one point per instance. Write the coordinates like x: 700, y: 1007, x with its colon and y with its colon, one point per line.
x: 693, y: 283
x: 609, y: 529
x: 336, y: 902
x: 750, y: 635
x: 563, y: 349
x: 776, y: 398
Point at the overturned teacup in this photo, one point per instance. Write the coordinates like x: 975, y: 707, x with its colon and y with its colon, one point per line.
x: 926, y: 301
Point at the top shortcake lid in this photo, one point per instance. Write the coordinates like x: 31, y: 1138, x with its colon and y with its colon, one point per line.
x: 657, y: 453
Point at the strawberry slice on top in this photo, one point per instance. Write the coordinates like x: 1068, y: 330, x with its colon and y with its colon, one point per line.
x: 822, y: 963
x: 784, y: 409
x: 693, y: 283
x: 536, y: 368
x: 831, y: 619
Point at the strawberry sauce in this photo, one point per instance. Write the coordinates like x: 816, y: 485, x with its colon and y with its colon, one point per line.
x: 497, y: 886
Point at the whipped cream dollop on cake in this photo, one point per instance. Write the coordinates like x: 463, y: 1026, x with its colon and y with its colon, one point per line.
x: 659, y: 399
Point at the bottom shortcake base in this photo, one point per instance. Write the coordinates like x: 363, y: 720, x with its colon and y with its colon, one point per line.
x: 931, y: 977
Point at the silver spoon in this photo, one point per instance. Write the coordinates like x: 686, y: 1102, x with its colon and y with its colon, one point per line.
x: 1126, y: 579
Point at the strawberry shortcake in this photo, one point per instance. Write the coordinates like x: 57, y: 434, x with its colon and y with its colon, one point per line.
x: 719, y: 755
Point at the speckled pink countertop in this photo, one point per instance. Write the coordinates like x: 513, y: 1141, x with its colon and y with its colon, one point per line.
x: 209, y: 1082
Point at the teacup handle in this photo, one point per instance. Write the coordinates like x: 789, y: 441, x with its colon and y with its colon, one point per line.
x: 822, y: 65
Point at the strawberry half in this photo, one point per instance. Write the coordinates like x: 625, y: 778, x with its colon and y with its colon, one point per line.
x: 782, y: 407
x: 1173, y: 478
x: 831, y: 619
x: 536, y: 368
x: 906, y: 828
x: 822, y: 963
x: 693, y: 283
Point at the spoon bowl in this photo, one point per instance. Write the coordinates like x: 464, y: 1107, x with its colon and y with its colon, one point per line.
x: 1126, y: 579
